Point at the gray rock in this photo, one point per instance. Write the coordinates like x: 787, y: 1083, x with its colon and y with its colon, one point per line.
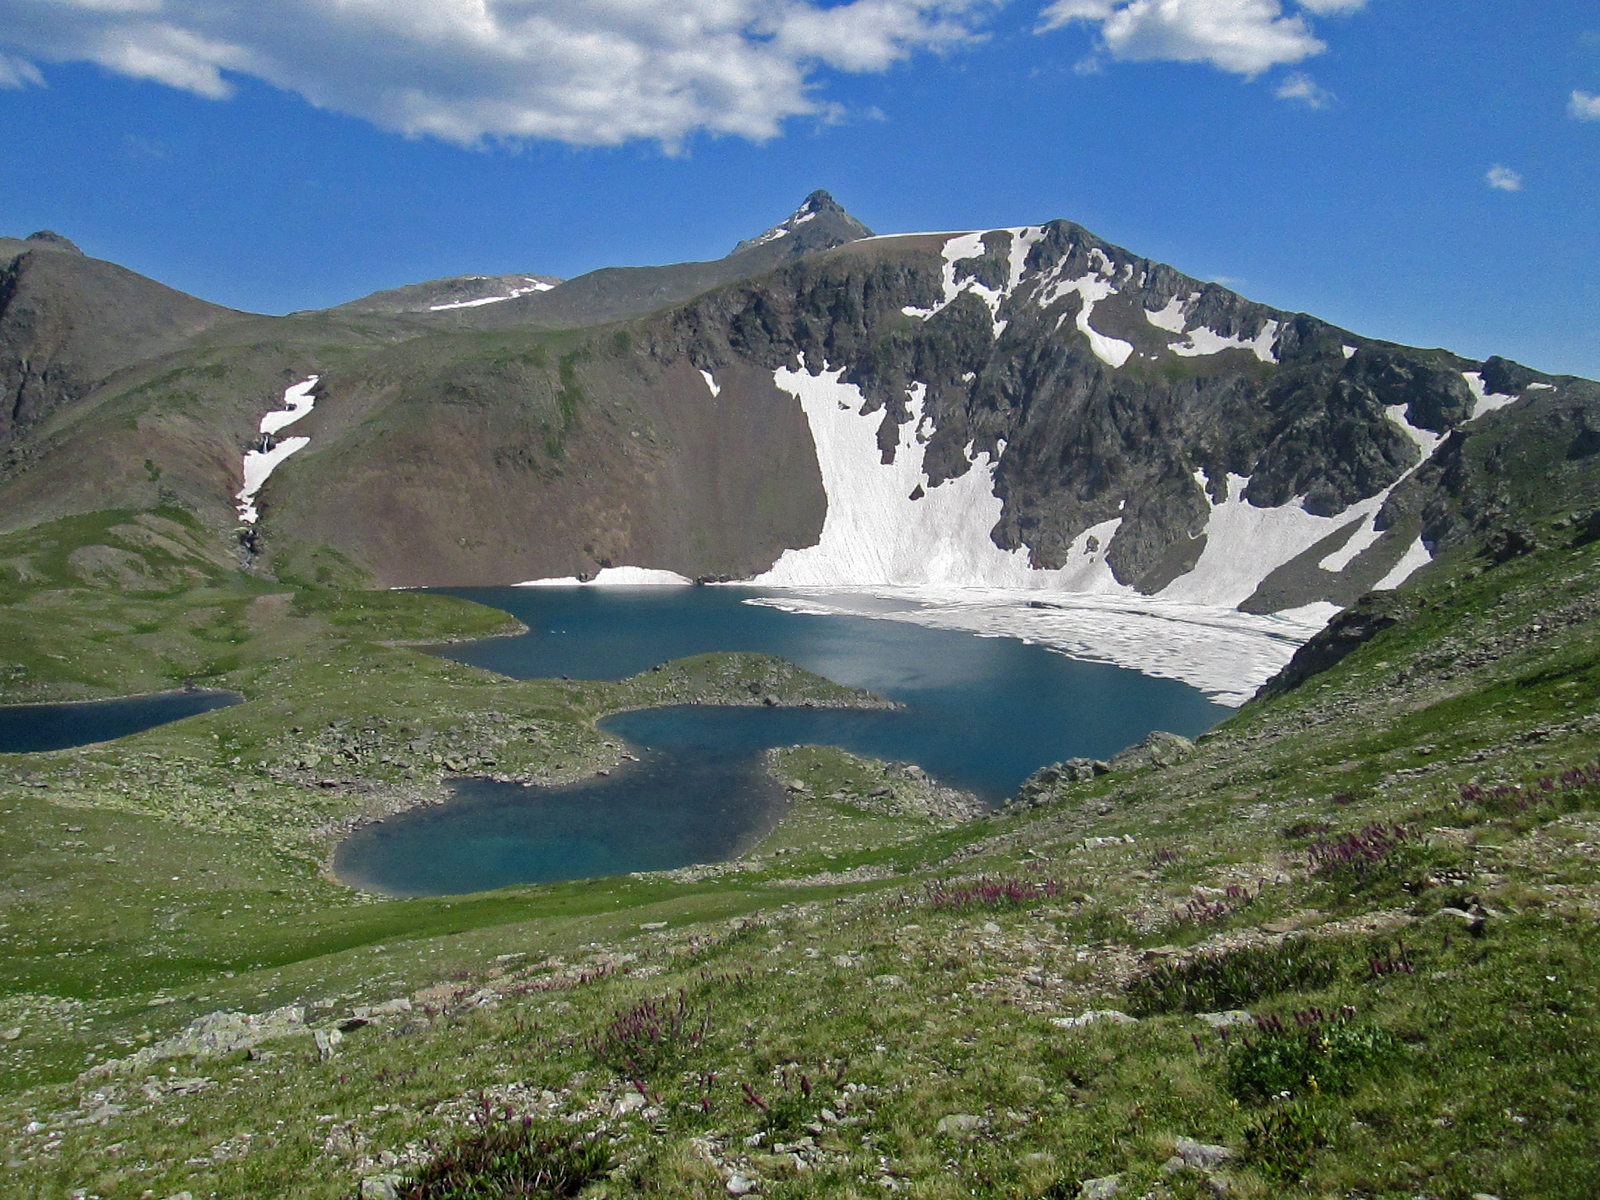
x: 738, y: 1185
x: 1103, y: 1188
x: 1092, y: 1016
x: 380, y: 1187
x: 1226, y: 1020
x: 1159, y: 749
x: 1201, y: 1156
x: 961, y: 1123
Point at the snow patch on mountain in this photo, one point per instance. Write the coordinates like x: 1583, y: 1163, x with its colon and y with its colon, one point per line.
x: 1427, y: 442
x: 963, y: 246
x: 616, y: 577
x: 260, y: 463
x: 712, y: 385
x: 1174, y: 318
x: 886, y: 526
x: 529, y: 286
x: 1414, y: 559
x: 1245, y: 544
x: 874, y: 532
x: 1091, y: 288
x: 1483, y: 399
x: 297, y: 402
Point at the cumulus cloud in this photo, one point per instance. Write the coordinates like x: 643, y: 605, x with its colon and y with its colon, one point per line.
x: 1503, y: 178
x: 587, y: 72
x: 1245, y: 37
x: 1301, y: 88
x: 1584, y: 107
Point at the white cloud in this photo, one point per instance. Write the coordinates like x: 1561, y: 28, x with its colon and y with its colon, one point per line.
x: 1584, y: 107
x: 1245, y: 37
x: 1299, y: 86
x: 587, y: 72
x: 18, y: 73
x: 1503, y: 178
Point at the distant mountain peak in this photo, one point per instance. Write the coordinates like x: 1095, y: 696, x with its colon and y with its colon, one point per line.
x: 54, y: 240
x: 818, y: 224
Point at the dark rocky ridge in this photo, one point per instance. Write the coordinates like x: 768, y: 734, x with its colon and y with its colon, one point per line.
x: 511, y: 441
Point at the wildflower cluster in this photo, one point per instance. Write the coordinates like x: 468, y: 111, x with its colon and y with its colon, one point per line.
x: 640, y: 1040
x: 1358, y: 853
x: 992, y: 894
x: 1512, y: 798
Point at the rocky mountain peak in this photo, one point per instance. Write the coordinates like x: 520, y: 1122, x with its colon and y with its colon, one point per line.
x: 820, y: 223
x: 48, y: 237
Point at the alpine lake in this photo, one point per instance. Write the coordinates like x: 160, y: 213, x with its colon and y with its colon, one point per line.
x: 977, y: 713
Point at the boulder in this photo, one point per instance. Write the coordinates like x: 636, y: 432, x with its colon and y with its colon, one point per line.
x: 1159, y: 749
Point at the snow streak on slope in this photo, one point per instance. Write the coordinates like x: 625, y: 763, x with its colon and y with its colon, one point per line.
x: 875, y: 533
x: 1099, y: 283
x: 1427, y: 442
x: 259, y: 464
x: 970, y: 245
x: 297, y: 402
x: 529, y: 286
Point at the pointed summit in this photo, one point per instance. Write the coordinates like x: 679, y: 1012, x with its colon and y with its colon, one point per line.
x: 820, y: 223
x: 54, y: 240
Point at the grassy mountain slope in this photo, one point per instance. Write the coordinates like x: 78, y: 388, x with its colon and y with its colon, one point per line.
x: 1394, y: 860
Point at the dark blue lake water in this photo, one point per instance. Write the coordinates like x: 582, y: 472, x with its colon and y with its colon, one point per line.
x: 980, y: 713
x: 30, y: 728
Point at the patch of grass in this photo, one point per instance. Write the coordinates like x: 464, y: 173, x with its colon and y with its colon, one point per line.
x: 1311, y: 1054
x: 1234, y: 978
x: 1283, y: 1142
x: 511, y: 1160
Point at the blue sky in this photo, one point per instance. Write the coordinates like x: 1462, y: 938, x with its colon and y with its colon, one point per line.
x: 1412, y: 169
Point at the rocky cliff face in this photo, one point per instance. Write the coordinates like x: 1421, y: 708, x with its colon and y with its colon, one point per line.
x: 1022, y: 408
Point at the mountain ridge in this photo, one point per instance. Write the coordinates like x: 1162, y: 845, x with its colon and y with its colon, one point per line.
x: 1136, y: 431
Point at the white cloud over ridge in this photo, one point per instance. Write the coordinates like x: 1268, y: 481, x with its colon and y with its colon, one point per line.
x: 585, y: 72
x: 1245, y: 37
x: 1584, y: 107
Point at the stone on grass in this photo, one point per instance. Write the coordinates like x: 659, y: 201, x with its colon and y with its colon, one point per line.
x: 380, y: 1187
x: 738, y: 1185
x: 1103, y: 1188
x: 961, y: 1123
x: 1226, y: 1020
x: 1092, y: 1016
x: 1200, y: 1156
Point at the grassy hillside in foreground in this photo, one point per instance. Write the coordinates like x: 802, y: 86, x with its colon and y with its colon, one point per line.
x: 1392, y: 869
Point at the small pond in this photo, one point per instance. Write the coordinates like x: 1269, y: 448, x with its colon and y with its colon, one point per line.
x: 979, y: 713
x: 31, y: 728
